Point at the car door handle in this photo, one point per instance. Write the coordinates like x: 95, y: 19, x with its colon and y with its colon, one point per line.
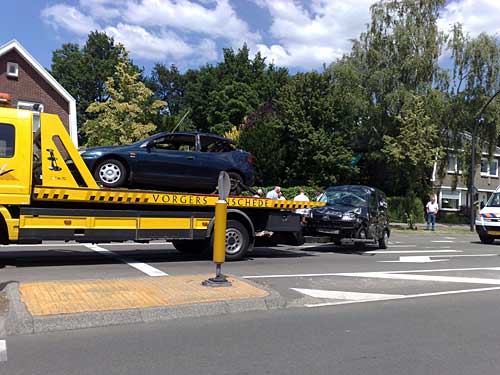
x: 190, y: 158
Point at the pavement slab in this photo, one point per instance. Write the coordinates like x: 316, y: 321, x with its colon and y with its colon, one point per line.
x: 73, y: 297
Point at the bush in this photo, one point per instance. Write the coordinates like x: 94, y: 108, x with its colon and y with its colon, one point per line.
x: 290, y: 192
x: 406, y: 210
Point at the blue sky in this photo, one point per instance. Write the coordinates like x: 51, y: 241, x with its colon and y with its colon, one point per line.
x: 298, y: 34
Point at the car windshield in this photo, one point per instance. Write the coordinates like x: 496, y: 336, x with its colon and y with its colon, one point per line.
x: 494, y: 200
x: 354, y: 198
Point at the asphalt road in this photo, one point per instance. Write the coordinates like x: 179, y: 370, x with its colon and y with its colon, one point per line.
x: 427, y: 305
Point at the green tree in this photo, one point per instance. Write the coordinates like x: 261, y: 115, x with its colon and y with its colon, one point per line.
x: 262, y: 135
x: 83, y: 71
x: 395, y: 59
x: 126, y: 116
x: 415, y: 148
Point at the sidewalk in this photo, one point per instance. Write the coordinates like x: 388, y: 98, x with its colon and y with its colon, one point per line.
x: 439, y: 226
x: 75, y: 304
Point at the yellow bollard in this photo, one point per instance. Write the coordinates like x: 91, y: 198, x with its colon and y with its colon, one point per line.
x: 219, y: 251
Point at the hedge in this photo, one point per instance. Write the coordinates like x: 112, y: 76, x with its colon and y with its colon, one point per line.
x: 290, y: 192
x: 406, y: 210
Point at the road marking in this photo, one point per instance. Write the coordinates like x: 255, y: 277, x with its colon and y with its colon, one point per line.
x: 450, y: 238
x: 411, y: 251
x: 427, y: 259
x: 446, y: 279
x: 3, y: 350
x: 443, y: 241
x: 414, y: 259
x: 276, y: 276
x: 409, y: 296
x: 402, y: 245
x: 143, y: 267
x: 337, y: 294
x: 81, y: 244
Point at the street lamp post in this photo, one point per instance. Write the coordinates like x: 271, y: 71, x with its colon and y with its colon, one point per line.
x: 477, y: 121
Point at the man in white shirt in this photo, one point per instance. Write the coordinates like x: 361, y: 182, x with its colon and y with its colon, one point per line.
x: 431, y: 210
x: 274, y: 194
x: 301, y: 198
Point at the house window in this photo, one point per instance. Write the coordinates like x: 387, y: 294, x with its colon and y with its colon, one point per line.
x: 489, y: 168
x: 453, y: 164
x: 36, y: 108
x: 12, y: 69
x: 450, y: 200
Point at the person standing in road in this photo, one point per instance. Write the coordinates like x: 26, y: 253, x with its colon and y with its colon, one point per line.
x: 274, y: 194
x: 302, y: 197
x: 431, y: 209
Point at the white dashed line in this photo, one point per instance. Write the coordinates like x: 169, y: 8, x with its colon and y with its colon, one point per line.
x: 143, y: 267
x: 3, y: 350
x: 443, y: 241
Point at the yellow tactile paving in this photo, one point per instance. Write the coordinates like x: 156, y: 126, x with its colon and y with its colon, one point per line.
x: 70, y: 297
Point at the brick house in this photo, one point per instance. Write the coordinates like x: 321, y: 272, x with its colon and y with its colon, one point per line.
x: 31, y: 87
x: 486, y: 180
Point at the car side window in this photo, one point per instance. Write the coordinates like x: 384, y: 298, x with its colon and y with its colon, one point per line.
x: 175, y: 143
x: 212, y: 144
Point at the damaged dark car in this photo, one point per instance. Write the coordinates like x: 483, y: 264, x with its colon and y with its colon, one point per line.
x: 353, y: 214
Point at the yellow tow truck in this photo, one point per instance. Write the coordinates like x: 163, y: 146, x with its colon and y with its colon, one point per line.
x: 48, y: 193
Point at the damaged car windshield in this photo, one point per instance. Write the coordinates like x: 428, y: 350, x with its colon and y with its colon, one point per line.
x: 345, y: 198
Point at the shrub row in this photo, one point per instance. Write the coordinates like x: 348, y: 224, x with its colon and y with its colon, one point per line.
x: 406, y: 209
x: 290, y: 192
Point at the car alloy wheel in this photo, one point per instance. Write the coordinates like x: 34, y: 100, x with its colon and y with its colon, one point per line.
x: 110, y: 173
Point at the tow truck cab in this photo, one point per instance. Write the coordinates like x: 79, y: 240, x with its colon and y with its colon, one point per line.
x: 48, y: 193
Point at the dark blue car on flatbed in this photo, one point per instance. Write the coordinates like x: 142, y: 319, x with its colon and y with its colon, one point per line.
x: 187, y: 161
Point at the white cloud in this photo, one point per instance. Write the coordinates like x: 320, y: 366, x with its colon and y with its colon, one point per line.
x: 147, y: 45
x: 102, y: 9
x: 158, y: 29
x: 69, y: 18
x: 220, y: 21
x: 476, y: 16
x: 310, y: 37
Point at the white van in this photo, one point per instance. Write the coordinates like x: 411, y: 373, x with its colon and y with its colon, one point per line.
x: 488, y: 219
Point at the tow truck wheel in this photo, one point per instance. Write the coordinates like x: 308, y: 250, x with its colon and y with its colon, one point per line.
x: 110, y: 173
x: 237, y: 240
x: 486, y: 239
x: 191, y: 247
x: 383, y: 241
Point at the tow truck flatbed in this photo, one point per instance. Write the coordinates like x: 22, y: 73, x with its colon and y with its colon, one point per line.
x: 48, y: 193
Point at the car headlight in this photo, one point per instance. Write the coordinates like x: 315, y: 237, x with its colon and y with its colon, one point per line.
x: 351, y: 215
x: 348, y: 216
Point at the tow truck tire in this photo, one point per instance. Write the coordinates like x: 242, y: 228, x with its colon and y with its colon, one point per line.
x: 383, y: 242
x: 191, y: 247
x: 110, y: 173
x: 237, y: 240
x: 486, y: 239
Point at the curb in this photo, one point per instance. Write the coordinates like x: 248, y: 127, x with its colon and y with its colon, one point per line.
x: 20, y: 322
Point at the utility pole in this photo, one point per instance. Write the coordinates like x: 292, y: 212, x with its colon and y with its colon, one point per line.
x: 478, y: 120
